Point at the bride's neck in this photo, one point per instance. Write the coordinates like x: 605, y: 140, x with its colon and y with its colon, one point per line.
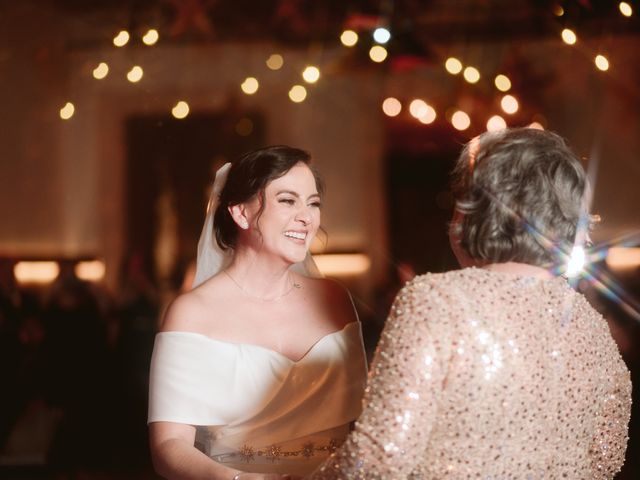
x: 260, y: 275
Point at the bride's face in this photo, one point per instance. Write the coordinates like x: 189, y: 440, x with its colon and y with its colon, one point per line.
x: 291, y: 215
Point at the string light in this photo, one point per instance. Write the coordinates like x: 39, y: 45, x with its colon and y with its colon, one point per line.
x: 250, y: 85
x: 471, y: 74
x: 67, y: 111
x: 391, y: 107
x: 602, y: 63
x: 121, y: 39
x: 625, y: 9
x: 428, y: 116
x: 311, y: 74
x: 536, y: 126
x: 460, y: 120
x: 378, y: 53
x: 509, y: 104
x: 180, y: 110
x: 151, y: 37
x: 349, y: 38
x: 453, y: 65
x: 275, y: 61
x: 381, y: 35
x: 297, y: 93
x: 496, y: 123
x: 569, y: 36
x: 100, y: 71
x: 502, y: 83
x: 135, y: 74
x: 36, y: 272
x: 418, y: 108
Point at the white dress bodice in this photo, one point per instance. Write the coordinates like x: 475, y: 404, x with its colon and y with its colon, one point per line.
x: 254, y: 408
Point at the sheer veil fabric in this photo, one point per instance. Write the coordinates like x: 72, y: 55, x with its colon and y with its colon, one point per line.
x: 213, y: 259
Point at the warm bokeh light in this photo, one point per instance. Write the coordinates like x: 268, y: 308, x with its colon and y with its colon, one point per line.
x: 471, y: 74
x: 623, y: 258
x: 569, y: 37
x: 536, y: 125
x: 391, y: 106
x: 297, y: 93
x: 90, y: 271
x: 558, y: 11
x: 428, y: 116
x: 502, y: 83
x: 67, y: 111
x: 349, y: 38
x: 135, y: 74
x: 378, y: 53
x: 453, y: 65
x: 417, y: 108
x: 625, y: 9
x: 342, y: 264
x: 250, y: 85
x: 244, y: 127
x: 151, y: 37
x: 509, y: 104
x: 496, y: 123
x: 100, y: 71
x: 36, y: 272
x: 275, y: 61
x: 601, y: 63
x: 460, y: 120
x: 381, y: 35
x: 121, y: 39
x: 180, y: 110
x: 311, y: 74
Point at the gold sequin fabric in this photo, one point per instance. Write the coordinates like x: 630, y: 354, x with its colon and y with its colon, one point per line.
x: 486, y: 375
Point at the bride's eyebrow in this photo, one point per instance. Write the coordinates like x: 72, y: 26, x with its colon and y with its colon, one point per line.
x: 296, y: 194
x: 290, y: 192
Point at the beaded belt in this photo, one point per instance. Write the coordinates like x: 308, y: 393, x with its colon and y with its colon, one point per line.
x: 274, y: 453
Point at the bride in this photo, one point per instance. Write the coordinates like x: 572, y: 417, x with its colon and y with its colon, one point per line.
x: 259, y: 370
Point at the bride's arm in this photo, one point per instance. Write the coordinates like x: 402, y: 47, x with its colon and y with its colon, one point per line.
x: 401, y: 400
x: 175, y: 457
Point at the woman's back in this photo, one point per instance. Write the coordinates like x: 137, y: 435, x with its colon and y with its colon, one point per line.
x: 485, y: 373
x: 555, y: 415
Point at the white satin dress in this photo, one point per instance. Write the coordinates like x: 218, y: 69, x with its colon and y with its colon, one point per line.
x: 255, y: 409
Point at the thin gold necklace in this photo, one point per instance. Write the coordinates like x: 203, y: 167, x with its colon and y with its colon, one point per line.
x: 294, y: 285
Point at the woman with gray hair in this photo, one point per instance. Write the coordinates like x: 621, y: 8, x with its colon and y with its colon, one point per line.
x: 498, y: 370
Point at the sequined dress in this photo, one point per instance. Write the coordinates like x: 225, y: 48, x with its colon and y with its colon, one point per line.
x: 480, y: 374
x: 255, y: 409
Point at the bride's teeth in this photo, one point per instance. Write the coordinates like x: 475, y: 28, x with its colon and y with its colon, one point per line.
x: 300, y: 236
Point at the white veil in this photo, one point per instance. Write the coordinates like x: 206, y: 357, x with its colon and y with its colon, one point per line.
x: 213, y: 259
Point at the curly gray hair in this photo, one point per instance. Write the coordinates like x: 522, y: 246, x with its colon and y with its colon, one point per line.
x: 522, y: 194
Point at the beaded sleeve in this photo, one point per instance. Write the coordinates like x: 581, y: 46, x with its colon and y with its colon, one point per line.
x: 401, y: 400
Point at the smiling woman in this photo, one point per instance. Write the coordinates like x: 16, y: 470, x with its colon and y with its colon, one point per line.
x: 246, y: 357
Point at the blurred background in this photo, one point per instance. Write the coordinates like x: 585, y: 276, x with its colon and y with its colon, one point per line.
x: 115, y: 115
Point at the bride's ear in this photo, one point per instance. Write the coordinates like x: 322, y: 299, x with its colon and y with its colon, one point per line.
x: 239, y: 215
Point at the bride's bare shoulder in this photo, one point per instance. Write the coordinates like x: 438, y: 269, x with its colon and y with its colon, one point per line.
x: 193, y: 311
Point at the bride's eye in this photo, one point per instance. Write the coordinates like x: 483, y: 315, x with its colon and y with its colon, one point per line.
x: 288, y: 201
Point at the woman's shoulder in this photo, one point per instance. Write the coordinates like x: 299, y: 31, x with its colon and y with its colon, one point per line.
x: 192, y: 310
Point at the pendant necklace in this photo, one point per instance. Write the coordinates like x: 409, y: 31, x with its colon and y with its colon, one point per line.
x: 294, y: 285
